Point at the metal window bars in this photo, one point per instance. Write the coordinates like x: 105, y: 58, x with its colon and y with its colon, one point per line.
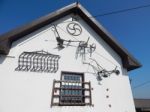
x: 38, y: 61
x: 65, y: 93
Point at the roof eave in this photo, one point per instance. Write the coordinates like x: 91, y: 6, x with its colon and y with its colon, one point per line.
x: 6, y: 40
x: 128, y: 60
x: 132, y: 64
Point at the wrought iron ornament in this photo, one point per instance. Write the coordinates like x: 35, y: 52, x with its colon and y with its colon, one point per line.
x: 74, y: 29
x: 82, y: 48
x: 38, y: 61
x: 85, y: 48
x: 100, y: 71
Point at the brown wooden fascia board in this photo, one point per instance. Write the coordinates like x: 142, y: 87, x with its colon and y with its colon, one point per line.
x: 5, y: 47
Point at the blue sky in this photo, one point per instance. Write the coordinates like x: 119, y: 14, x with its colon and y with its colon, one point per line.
x: 131, y: 29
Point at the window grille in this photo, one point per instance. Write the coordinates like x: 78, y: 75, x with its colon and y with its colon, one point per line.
x: 71, y: 90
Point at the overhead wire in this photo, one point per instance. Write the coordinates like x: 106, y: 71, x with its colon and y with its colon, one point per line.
x: 120, y: 11
x: 142, y: 84
x: 110, y: 13
x: 94, y: 52
x: 105, y: 14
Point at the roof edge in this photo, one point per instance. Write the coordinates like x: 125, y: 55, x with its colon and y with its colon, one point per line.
x: 6, y: 39
x: 129, y: 61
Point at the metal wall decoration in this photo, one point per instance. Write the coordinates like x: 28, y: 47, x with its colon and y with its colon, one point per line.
x: 82, y: 48
x: 100, y: 71
x: 60, y: 41
x: 38, y: 61
x: 85, y: 48
x: 74, y: 29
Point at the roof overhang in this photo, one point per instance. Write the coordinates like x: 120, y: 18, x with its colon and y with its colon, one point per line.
x: 129, y: 62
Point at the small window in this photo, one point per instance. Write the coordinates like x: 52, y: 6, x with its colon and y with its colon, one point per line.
x: 71, y: 90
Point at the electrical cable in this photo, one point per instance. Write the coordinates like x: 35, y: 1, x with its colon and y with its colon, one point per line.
x: 93, y: 52
x: 115, y: 12
x: 104, y: 14
x: 120, y: 11
x: 140, y: 85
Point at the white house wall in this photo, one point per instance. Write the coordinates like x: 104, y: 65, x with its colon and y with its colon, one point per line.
x: 31, y: 91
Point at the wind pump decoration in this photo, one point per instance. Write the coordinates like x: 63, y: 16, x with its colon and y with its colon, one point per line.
x: 82, y: 46
x: 38, y: 61
x: 85, y: 48
x: 100, y: 71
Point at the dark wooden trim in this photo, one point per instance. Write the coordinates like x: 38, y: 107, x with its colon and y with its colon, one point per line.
x: 76, y: 104
x: 90, y: 93
x: 52, y: 98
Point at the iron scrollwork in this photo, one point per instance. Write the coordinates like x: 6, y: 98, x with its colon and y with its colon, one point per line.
x: 74, y: 29
x: 38, y: 61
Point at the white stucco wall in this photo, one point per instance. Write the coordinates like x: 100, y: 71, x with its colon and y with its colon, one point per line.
x: 31, y: 91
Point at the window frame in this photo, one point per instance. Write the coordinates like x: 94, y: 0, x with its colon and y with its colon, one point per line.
x: 72, y: 73
x: 86, y: 88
